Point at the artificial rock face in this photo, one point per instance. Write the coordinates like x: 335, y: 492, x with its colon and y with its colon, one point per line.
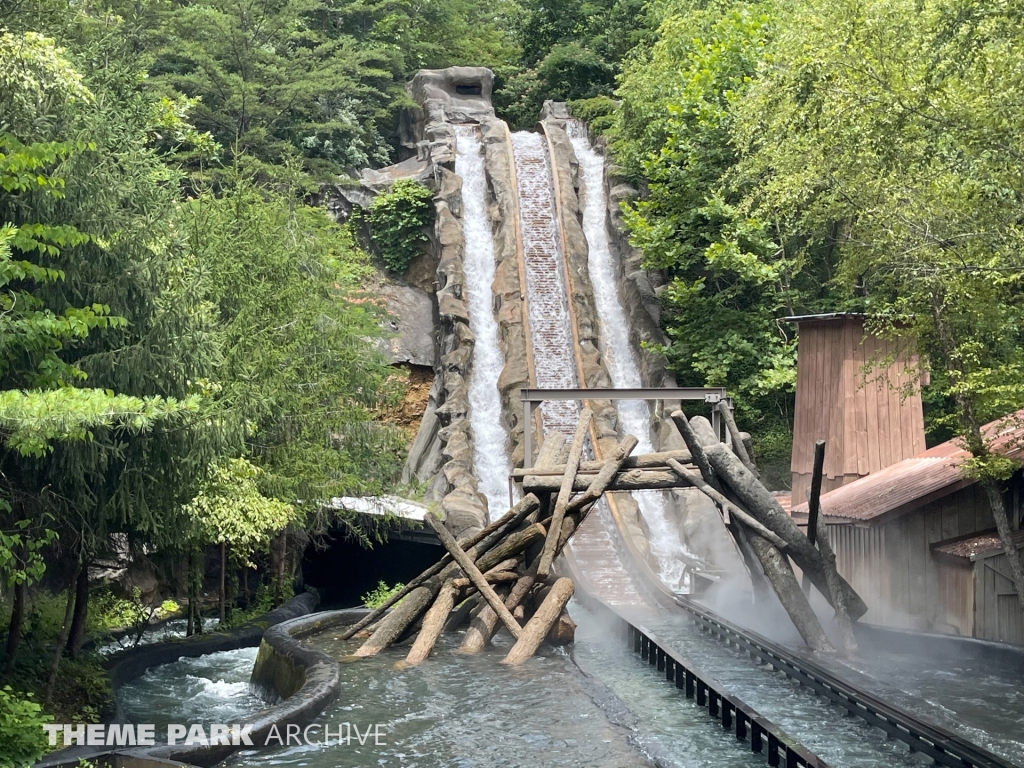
x: 456, y: 94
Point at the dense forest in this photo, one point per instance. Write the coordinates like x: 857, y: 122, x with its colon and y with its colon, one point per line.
x: 184, y: 326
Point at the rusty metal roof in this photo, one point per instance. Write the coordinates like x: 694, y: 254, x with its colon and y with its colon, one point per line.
x: 910, y: 483
x: 975, y: 546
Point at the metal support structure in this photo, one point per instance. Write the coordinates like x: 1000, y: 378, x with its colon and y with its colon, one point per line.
x: 532, y: 397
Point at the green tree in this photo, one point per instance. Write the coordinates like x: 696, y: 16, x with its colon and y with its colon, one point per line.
x: 890, y: 132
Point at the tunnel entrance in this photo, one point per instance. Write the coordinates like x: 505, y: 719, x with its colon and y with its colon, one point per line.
x: 469, y: 89
x: 345, y: 570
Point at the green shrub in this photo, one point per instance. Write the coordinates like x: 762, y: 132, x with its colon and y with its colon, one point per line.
x: 598, y: 112
x: 21, y: 730
x: 397, y: 218
x: 375, y: 598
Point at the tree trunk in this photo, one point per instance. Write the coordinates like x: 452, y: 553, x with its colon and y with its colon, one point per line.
x: 764, y: 507
x: 839, y: 595
x: 758, y: 582
x: 780, y: 576
x: 223, y: 601
x: 600, y: 483
x: 564, y: 630
x: 81, y: 615
x: 62, y: 639
x: 695, y: 443
x: 511, y: 546
x: 463, y: 613
x: 995, y: 500
x: 14, y: 628
x: 538, y: 627
x: 564, y: 492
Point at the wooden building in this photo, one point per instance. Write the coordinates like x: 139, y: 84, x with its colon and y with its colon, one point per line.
x: 870, y: 419
x: 917, y: 540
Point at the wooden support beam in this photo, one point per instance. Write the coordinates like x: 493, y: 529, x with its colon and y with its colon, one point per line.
x: 658, y: 460
x: 572, y: 465
x: 470, y: 569
x: 738, y: 446
x: 491, y: 533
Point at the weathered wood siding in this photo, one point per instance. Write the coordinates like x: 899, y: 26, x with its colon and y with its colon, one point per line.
x: 892, y: 567
x: 867, y: 424
x: 999, y: 615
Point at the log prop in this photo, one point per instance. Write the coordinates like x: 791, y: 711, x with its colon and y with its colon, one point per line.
x: 520, y: 511
x: 474, y: 574
x: 572, y: 465
x: 738, y: 445
x: 759, y: 501
x: 540, y: 625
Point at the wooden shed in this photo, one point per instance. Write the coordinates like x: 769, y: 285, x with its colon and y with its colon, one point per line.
x: 916, y: 540
x: 869, y: 418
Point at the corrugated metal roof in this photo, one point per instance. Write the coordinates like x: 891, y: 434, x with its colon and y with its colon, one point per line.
x: 906, y: 485
x: 978, y: 545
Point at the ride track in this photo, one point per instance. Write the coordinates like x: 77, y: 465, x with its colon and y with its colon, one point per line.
x: 765, y: 737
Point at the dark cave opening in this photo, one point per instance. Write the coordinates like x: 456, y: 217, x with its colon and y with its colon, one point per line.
x: 345, y: 570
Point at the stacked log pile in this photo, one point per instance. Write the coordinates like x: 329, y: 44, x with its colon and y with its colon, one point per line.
x: 501, y: 576
x: 765, y: 535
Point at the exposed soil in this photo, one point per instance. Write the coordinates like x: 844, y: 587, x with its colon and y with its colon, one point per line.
x: 417, y: 380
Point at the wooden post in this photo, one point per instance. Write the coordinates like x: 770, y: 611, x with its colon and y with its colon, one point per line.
x: 396, y: 622
x: 572, y: 465
x: 537, y: 628
x: 814, y: 501
x: 470, y: 569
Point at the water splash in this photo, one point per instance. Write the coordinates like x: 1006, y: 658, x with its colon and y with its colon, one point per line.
x: 491, y: 460
x: 634, y: 415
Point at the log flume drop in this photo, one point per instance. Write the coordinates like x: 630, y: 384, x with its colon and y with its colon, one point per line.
x: 617, y: 351
x: 490, y: 442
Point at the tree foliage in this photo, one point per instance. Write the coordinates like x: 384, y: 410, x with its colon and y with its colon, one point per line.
x: 397, y: 219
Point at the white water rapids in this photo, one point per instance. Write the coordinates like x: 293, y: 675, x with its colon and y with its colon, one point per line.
x: 619, y: 358
x: 491, y: 460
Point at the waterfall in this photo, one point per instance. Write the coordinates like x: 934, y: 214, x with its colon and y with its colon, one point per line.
x: 491, y: 462
x: 619, y: 358
x: 550, y: 324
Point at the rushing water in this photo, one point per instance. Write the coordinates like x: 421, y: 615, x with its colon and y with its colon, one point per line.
x: 550, y: 326
x: 618, y: 354
x: 599, y: 706
x: 490, y: 443
x: 169, y: 630
x: 210, y: 689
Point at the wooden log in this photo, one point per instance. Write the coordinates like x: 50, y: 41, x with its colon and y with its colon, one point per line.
x: 550, y: 448
x: 762, y: 505
x: 657, y: 460
x: 780, y: 575
x: 564, y: 492
x: 737, y: 512
x: 396, y: 622
x: 538, y: 627
x: 625, y: 480
x: 738, y: 446
x: 511, y: 546
x: 491, y: 533
x: 600, y: 483
x: 492, y: 578
x: 463, y: 613
x: 482, y: 628
x: 433, y: 623
x: 758, y: 581
x: 696, y: 447
x: 469, y: 568
x: 839, y: 595
x: 563, y: 632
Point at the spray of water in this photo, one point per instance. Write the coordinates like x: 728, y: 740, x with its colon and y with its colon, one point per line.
x: 634, y: 415
x: 490, y: 442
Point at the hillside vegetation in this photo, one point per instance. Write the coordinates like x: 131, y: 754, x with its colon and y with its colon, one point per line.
x: 184, y: 334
